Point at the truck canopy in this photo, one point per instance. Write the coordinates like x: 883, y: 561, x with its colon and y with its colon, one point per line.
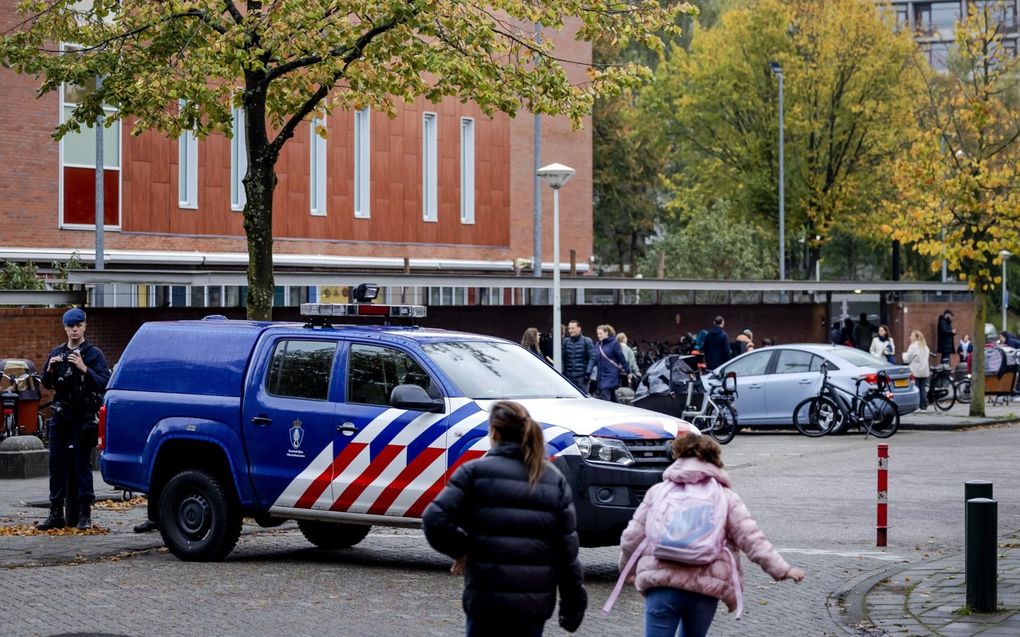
x: 206, y: 357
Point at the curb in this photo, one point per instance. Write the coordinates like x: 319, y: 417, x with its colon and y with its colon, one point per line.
x: 955, y: 426
x: 852, y: 593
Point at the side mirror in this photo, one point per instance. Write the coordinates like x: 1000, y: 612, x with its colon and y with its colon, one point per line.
x: 729, y: 383
x: 415, y: 398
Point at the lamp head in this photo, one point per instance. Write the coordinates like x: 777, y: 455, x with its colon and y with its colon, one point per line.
x: 556, y: 175
x: 1005, y: 254
x: 776, y: 68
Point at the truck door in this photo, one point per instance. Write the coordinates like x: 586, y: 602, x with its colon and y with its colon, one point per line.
x: 289, y: 422
x: 392, y: 455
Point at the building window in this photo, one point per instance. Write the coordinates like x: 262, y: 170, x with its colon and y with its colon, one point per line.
x: 362, y: 163
x: 238, y: 162
x: 317, y: 174
x: 944, y: 16
x: 467, y: 170
x: 187, y: 169
x: 447, y: 296
x: 429, y: 168
x: 78, y: 165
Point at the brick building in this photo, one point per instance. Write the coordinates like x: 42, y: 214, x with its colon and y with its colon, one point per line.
x: 441, y: 185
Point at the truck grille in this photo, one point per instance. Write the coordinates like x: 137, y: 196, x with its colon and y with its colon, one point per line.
x: 649, y: 453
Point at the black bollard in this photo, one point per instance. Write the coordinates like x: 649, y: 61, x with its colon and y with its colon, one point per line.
x: 977, y: 489
x: 981, y: 568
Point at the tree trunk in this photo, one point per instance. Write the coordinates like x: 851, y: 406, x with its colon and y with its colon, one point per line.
x: 259, y: 185
x: 977, y: 377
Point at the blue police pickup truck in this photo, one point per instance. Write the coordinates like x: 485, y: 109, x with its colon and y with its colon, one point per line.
x: 341, y: 425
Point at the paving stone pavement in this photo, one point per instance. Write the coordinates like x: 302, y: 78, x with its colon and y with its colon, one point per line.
x: 930, y: 598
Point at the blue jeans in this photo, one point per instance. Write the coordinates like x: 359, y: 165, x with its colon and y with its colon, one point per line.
x: 502, y: 627
x: 667, y: 609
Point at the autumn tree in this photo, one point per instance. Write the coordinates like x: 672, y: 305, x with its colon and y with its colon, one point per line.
x: 959, y: 186
x: 285, y: 61
x: 850, y: 92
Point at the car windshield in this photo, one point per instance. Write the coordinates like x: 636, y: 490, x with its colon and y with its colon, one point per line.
x: 857, y: 357
x: 486, y: 370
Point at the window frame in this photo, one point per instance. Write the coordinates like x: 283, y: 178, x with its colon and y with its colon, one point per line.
x: 238, y: 160
x: 317, y: 172
x: 286, y: 340
x: 353, y: 346
x: 187, y: 168
x: 467, y: 170
x: 363, y: 164
x: 430, y: 167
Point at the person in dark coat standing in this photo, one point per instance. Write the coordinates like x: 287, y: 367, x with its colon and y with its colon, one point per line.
x: 578, y: 356
x: 77, y: 373
x: 944, y: 344
x: 863, y: 333
x: 611, y: 363
x: 508, y: 520
x: 716, y: 347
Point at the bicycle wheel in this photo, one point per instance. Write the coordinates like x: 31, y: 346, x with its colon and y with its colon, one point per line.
x: 879, y: 416
x: 815, y: 416
x: 943, y: 392
x: 963, y: 390
x: 724, y: 424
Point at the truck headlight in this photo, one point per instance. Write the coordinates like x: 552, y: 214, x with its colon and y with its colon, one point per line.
x: 601, y: 450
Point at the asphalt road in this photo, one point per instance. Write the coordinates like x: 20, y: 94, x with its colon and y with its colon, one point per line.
x: 814, y: 498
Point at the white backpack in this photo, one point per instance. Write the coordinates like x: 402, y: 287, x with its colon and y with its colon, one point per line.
x: 687, y: 525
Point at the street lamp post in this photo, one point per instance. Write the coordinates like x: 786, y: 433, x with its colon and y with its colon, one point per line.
x: 778, y: 71
x: 1005, y: 254
x: 556, y: 175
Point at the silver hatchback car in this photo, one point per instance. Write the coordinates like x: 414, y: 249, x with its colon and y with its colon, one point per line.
x: 772, y: 380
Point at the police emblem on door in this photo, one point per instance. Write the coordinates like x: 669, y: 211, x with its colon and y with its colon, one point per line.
x: 297, y: 435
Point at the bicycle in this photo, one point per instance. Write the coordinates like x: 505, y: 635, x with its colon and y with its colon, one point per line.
x: 714, y: 413
x: 941, y: 388
x: 874, y: 411
x: 963, y: 390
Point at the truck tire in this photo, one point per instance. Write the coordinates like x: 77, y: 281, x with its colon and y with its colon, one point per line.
x: 329, y: 535
x: 199, y: 519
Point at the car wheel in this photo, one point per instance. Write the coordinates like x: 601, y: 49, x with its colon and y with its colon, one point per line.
x: 199, y: 519
x: 816, y: 416
x: 330, y: 536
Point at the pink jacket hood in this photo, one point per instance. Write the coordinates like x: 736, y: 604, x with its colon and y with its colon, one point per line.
x: 715, y: 579
x: 693, y: 470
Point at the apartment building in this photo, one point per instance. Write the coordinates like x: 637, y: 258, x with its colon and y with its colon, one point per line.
x: 934, y: 23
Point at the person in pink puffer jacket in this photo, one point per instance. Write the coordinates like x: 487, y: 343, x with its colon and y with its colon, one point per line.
x: 686, y: 595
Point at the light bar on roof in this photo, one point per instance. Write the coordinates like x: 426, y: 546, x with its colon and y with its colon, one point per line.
x: 362, y: 309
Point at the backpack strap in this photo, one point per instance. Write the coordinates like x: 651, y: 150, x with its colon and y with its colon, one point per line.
x: 631, y: 563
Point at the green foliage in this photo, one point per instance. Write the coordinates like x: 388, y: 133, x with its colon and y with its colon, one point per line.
x: 849, y: 96
x: 713, y: 243
x: 73, y: 263
x: 20, y: 277
x: 284, y: 61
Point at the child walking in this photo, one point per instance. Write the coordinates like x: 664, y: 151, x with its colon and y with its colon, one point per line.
x: 508, y: 520
x: 685, y: 596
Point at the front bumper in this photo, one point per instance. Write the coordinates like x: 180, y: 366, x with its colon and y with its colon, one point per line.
x: 605, y: 497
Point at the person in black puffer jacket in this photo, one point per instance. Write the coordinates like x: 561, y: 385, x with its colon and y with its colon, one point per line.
x: 578, y: 356
x: 508, y: 520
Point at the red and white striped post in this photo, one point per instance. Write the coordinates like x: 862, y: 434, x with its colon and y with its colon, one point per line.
x: 883, y: 494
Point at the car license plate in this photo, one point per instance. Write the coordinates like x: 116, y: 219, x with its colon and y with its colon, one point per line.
x: 901, y: 382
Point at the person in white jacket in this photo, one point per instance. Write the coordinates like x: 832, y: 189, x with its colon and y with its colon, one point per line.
x: 916, y: 358
x: 882, y: 345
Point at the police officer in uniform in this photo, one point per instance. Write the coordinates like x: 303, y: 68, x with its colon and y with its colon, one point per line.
x: 77, y: 372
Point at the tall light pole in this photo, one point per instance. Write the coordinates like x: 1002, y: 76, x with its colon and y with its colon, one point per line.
x: 536, y: 267
x: 100, y: 197
x: 556, y: 175
x: 1005, y: 254
x: 778, y: 71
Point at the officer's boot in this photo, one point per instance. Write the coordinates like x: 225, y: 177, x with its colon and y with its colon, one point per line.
x: 54, y: 521
x: 85, y: 517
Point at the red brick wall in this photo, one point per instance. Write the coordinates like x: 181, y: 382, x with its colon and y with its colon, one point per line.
x: 31, y: 333
x: 29, y: 199
x: 906, y: 317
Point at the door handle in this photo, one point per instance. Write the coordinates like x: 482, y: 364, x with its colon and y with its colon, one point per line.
x: 806, y: 381
x: 347, y: 429
x: 261, y: 421
x: 754, y: 386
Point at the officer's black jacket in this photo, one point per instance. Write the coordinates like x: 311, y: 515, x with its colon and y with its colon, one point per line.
x: 521, y: 543
x: 70, y: 395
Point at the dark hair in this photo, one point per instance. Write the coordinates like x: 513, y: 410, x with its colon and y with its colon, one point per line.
x: 531, y: 339
x: 575, y: 322
x: 864, y: 316
x: 718, y: 320
x: 511, y: 422
x: 700, y: 447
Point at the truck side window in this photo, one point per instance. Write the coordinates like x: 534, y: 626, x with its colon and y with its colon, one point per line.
x: 374, y: 371
x: 301, y: 369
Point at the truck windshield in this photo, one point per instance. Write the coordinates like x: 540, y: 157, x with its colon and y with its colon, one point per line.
x: 486, y: 370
